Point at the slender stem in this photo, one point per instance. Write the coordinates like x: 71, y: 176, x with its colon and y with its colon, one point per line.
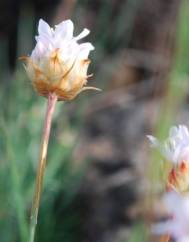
x: 52, y: 99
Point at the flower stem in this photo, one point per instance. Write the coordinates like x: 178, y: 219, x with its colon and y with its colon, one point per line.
x: 52, y: 99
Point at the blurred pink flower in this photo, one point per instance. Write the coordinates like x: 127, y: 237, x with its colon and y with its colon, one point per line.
x: 177, y: 226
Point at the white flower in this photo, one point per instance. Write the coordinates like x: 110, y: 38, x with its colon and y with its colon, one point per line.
x: 176, y: 147
x: 60, y: 38
x: 58, y: 62
x: 177, y: 226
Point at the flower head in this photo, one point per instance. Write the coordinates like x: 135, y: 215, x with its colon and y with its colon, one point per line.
x: 178, y: 224
x: 176, y: 150
x: 58, y: 64
x: 176, y: 147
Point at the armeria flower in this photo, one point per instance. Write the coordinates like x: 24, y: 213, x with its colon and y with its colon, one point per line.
x: 176, y: 150
x: 177, y: 226
x: 58, y: 64
x: 176, y: 147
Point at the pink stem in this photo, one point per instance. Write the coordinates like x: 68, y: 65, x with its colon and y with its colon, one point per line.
x: 52, y: 99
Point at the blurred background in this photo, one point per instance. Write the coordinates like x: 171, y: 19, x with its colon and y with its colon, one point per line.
x: 102, y: 181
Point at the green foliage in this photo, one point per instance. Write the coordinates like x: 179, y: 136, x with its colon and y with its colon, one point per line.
x: 138, y: 233
x: 21, y: 127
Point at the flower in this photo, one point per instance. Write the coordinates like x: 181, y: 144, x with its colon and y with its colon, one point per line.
x: 177, y: 226
x: 176, y: 150
x: 58, y: 64
x: 176, y: 147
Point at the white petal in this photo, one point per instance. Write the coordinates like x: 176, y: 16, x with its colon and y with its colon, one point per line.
x: 173, y: 131
x: 64, y: 30
x: 43, y: 41
x: 185, y: 131
x: 83, y: 34
x: 42, y: 48
x: 44, y: 28
x: 183, y: 239
x: 38, y: 51
x: 153, y: 141
x: 177, y: 155
x: 70, y: 51
x: 185, y: 155
x: 170, y: 199
x: 85, y: 48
